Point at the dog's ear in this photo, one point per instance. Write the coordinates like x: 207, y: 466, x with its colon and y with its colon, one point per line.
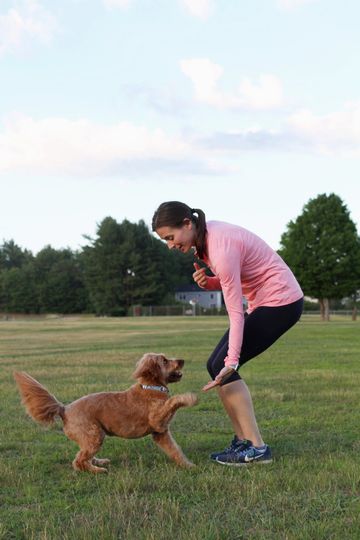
x: 148, y: 367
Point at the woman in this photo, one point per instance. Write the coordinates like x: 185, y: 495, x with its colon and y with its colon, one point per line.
x: 243, y: 266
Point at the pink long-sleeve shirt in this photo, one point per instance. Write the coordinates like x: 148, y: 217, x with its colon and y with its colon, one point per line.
x: 244, y: 265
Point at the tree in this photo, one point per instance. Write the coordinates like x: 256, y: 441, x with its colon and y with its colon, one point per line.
x: 101, y: 263
x: 59, y: 281
x: 12, y: 256
x: 16, y: 279
x: 120, y: 267
x: 322, y: 248
x: 126, y: 265
x: 18, y: 290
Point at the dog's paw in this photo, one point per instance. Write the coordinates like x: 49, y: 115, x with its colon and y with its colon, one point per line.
x: 188, y: 464
x: 100, y: 462
x: 190, y: 399
x: 97, y: 470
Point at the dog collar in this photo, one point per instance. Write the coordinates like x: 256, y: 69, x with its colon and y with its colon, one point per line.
x: 151, y: 387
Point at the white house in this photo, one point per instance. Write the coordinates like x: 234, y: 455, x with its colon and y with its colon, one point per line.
x: 193, y: 294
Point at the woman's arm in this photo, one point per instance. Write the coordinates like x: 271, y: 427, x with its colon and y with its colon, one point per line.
x: 227, y: 267
x: 228, y: 272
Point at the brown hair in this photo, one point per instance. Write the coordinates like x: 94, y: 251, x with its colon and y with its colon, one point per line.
x: 173, y: 213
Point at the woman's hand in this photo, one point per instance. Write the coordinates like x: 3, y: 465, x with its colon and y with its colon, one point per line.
x: 224, y: 374
x: 199, y: 276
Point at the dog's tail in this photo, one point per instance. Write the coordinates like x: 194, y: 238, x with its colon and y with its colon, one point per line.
x: 39, y: 403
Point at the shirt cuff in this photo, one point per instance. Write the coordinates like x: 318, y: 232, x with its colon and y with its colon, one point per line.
x: 231, y: 363
x: 213, y: 283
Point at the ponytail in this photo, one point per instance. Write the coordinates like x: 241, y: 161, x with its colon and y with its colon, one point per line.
x: 201, y: 231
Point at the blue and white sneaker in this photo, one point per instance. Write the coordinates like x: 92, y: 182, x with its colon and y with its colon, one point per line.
x: 245, y: 455
x: 236, y: 444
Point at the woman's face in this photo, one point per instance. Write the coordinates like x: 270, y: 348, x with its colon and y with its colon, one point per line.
x: 182, y: 238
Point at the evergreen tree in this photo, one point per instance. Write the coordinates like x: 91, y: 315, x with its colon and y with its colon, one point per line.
x: 126, y: 265
x: 16, y: 279
x: 59, y: 282
x: 12, y: 256
x: 18, y: 290
x: 102, y: 263
x: 322, y: 248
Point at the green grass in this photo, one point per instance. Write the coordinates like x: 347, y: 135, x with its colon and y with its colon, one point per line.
x: 306, y: 392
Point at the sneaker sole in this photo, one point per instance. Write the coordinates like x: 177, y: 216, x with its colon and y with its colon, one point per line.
x: 261, y: 461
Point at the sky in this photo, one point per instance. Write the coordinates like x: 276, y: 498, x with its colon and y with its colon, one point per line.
x: 246, y: 109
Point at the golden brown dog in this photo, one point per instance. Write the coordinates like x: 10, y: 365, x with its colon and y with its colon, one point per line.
x: 143, y: 409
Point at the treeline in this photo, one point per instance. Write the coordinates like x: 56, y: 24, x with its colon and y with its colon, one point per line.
x: 123, y: 266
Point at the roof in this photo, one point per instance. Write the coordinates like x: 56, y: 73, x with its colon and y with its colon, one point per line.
x: 191, y: 287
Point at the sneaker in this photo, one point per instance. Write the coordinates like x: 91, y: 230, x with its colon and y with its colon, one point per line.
x: 245, y: 455
x: 236, y: 444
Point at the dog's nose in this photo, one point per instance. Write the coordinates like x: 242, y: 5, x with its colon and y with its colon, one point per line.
x: 181, y: 363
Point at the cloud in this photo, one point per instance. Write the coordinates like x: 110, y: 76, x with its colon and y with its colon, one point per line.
x: 335, y: 134
x: 80, y: 147
x: 28, y: 22
x: 198, y: 8
x: 204, y: 74
x: 248, y: 140
x: 61, y: 146
x: 165, y: 101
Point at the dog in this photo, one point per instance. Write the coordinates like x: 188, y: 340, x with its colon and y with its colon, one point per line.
x: 145, y: 408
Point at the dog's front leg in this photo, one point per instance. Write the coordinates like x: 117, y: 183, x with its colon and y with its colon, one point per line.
x: 161, y: 416
x: 166, y: 442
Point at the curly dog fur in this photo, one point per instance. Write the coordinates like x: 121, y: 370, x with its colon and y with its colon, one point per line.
x: 131, y: 414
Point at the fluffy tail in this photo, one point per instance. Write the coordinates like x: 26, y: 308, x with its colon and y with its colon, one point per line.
x: 39, y: 404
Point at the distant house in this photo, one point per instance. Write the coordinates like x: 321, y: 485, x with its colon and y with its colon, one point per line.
x: 193, y: 294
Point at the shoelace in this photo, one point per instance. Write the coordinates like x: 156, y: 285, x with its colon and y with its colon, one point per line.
x: 237, y: 445
x: 243, y: 446
x: 233, y: 445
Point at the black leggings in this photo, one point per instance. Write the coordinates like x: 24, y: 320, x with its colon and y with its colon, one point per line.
x: 262, y: 328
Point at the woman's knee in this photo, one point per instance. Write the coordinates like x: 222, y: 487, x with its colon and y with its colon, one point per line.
x: 215, y: 364
x: 234, y: 377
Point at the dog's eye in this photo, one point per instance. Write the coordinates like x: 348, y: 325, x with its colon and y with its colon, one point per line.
x: 165, y: 360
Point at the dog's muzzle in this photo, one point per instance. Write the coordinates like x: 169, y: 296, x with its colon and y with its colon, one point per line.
x: 175, y: 376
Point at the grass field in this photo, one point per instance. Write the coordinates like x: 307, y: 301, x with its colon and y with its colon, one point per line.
x: 306, y: 391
